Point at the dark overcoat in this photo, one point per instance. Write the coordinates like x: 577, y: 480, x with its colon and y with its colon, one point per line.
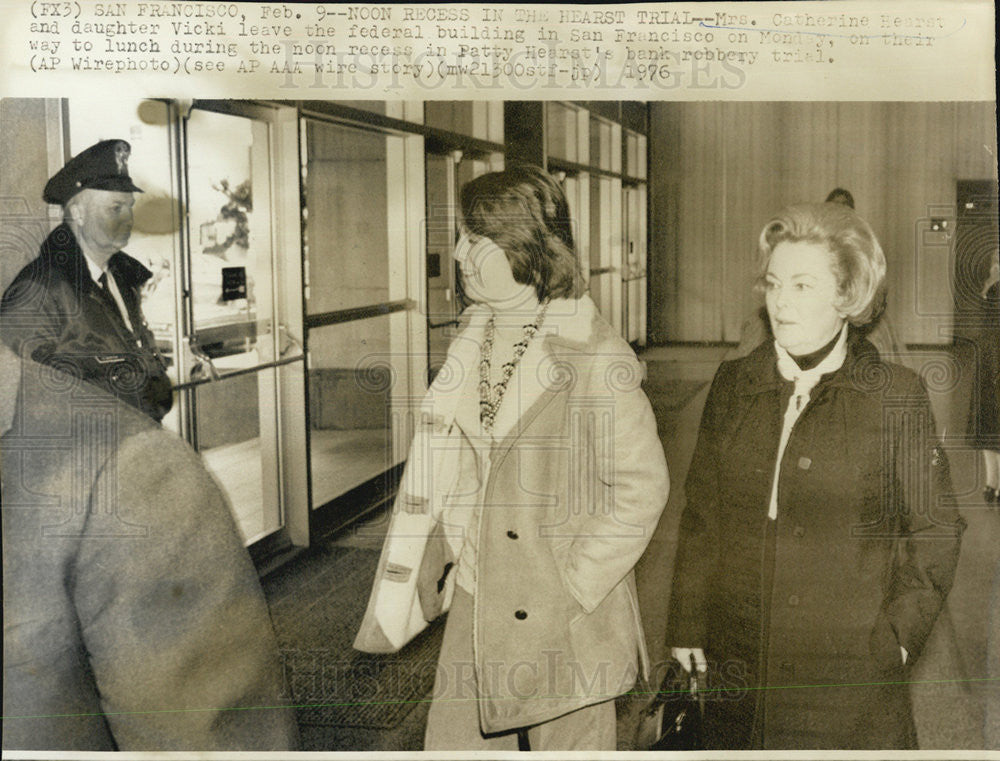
x: 132, y: 615
x: 984, y: 402
x: 54, y: 313
x: 802, y: 618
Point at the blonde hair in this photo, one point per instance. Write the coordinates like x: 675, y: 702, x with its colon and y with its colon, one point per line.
x: 856, y: 258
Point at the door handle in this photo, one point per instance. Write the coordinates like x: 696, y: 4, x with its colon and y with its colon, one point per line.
x: 291, y: 342
x: 200, y: 361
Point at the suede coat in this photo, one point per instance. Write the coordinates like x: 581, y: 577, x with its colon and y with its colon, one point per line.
x: 802, y: 618
x: 54, y: 313
x: 132, y: 615
x: 570, y: 498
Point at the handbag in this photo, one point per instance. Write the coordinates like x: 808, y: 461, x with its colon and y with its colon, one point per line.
x: 672, y: 719
x: 415, y: 580
x: 413, y: 584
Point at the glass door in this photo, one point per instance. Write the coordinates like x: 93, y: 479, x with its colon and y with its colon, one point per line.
x: 242, y: 363
x: 219, y: 227
x: 444, y: 296
x: 446, y: 173
x: 366, y: 338
x: 634, y: 265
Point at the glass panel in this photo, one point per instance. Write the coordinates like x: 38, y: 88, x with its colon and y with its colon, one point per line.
x: 441, y: 225
x: 346, y: 191
x: 606, y: 147
x: 232, y: 414
x: 571, y: 188
x: 632, y: 263
x: 600, y: 292
x: 633, y: 303
x: 577, y: 196
x: 354, y: 378
x: 440, y: 114
x: 633, y: 259
x: 600, y: 249
x: 601, y: 149
x: 494, y: 121
x: 601, y: 246
x: 615, y: 144
x: 595, y: 141
x: 230, y: 223
x: 632, y: 154
x: 232, y: 275
x: 480, y: 119
x: 473, y: 118
x: 562, y: 131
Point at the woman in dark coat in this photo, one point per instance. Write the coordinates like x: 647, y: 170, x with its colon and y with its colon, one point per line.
x: 984, y: 407
x: 819, y: 539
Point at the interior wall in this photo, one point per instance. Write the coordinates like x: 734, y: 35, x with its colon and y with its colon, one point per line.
x: 28, y: 126
x: 719, y: 170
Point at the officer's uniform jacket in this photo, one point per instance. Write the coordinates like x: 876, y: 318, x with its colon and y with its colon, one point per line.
x: 54, y: 313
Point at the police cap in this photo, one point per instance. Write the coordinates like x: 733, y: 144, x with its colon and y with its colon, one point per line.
x: 103, y: 166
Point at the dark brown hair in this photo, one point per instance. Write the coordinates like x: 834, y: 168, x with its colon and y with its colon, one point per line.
x: 524, y: 211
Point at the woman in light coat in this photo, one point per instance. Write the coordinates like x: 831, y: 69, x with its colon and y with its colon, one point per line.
x: 819, y: 537
x: 540, y: 469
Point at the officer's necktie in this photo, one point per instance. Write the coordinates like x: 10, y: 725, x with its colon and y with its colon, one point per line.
x: 116, y: 298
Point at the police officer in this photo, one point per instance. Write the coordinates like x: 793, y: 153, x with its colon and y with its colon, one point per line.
x: 77, y: 306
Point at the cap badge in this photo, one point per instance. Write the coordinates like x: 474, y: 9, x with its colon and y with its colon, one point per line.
x: 121, y: 157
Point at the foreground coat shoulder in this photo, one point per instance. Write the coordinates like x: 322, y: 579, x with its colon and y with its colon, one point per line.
x: 133, y: 618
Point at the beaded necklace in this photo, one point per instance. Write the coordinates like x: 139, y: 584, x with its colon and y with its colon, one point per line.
x: 490, y: 397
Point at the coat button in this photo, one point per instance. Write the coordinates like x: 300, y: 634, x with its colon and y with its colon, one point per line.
x: 799, y: 531
x: 512, y: 535
x: 793, y: 600
x: 805, y: 463
x: 520, y: 615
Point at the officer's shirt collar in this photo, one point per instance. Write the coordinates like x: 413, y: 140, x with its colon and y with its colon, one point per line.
x: 96, y: 270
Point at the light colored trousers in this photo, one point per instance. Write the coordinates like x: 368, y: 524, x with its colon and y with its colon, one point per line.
x: 453, y: 720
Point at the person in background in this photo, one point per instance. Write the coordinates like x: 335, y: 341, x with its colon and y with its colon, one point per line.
x: 548, y: 481
x: 819, y: 538
x: 77, y: 306
x: 842, y: 196
x: 984, y: 408
x: 880, y: 331
x: 132, y: 615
